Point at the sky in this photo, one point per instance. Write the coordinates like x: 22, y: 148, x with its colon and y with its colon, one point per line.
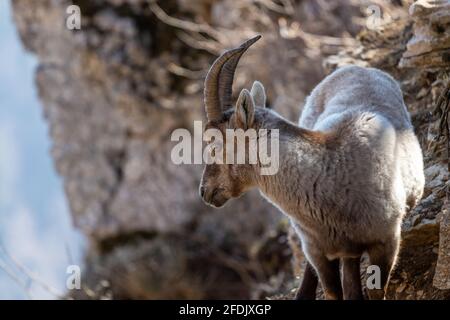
x: 35, y: 225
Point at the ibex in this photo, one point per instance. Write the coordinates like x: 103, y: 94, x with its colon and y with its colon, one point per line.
x: 347, y: 173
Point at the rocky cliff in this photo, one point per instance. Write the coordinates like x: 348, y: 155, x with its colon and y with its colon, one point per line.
x: 114, y: 91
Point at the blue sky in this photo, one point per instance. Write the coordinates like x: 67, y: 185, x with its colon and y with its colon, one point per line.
x: 35, y: 225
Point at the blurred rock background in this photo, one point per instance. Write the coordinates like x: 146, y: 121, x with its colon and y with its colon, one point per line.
x: 114, y: 91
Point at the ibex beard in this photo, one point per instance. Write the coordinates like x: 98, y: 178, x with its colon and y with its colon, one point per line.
x: 347, y: 173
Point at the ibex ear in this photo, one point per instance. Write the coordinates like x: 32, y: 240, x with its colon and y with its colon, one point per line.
x: 258, y: 94
x: 245, y: 110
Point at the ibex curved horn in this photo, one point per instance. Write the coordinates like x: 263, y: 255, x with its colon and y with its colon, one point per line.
x: 219, y: 80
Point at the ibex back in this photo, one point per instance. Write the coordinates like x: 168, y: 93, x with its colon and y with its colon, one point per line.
x: 347, y: 173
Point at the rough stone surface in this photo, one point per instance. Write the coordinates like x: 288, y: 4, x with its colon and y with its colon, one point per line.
x: 430, y: 44
x: 441, y: 278
x: 111, y: 102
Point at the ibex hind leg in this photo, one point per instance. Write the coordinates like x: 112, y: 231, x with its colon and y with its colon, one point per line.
x: 351, y: 281
x: 307, y: 290
x: 384, y: 256
x: 329, y: 276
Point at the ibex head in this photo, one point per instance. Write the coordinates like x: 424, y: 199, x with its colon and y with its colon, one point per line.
x: 220, y: 182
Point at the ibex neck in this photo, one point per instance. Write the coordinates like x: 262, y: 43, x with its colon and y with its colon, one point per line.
x: 304, y: 159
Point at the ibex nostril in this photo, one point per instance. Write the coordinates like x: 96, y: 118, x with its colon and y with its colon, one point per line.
x: 214, y: 193
x: 202, y: 191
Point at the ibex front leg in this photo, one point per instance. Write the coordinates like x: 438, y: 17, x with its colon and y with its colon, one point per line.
x: 352, y: 279
x: 329, y: 276
x: 307, y: 290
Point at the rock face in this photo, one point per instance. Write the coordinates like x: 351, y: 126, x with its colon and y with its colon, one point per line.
x: 112, y: 98
x: 429, y: 49
x: 441, y: 278
x: 114, y: 91
x: 430, y: 44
